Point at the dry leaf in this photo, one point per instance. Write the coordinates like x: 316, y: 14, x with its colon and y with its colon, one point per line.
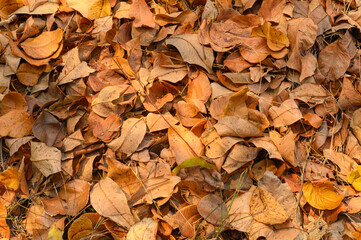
x: 276, y: 40
x: 46, y: 159
x: 132, y: 134
x: 157, y: 122
x: 212, y: 208
x: 108, y: 199
x: 142, y: 15
x: 10, y: 178
x: 265, y: 208
x: 145, y: 229
x: 184, y: 143
x: 87, y: 225
x: 16, y: 123
x: 286, y: 114
x: 12, y: 101
x: 53, y: 132
x: 70, y: 200
x: 192, y: 51
x: 43, y: 46
x: 321, y: 195
x: 99, y: 9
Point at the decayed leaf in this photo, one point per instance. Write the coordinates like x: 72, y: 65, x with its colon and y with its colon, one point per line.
x: 187, y: 219
x: 240, y: 213
x: 350, y: 98
x: 192, y: 51
x: 16, y: 123
x: 276, y: 40
x: 37, y: 222
x: 133, y: 131
x: 142, y: 15
x: 71, y: 199
x: 108, y: 199
x: 145, y: 229
x: 15, y: 143
x: 265, y: 209
x: 43, y: 46
x: 46, y: 159
x: 159, y: 95
x: 184, y: 143
x: 321, y: 195
x: 237, y: 127
x: 344, y: 162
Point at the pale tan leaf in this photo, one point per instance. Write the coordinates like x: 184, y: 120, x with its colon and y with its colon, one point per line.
x: 108, y: 199
x: 192, y: 51
x: 146, y: 229
x: 46, y: 159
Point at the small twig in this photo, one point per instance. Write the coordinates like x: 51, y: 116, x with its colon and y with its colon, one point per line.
x: 89, y: 149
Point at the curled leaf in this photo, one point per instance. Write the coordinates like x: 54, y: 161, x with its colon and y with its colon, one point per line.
x: 194, y: 161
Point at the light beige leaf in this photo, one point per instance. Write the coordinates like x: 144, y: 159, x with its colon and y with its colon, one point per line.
x: 46, y: 159
x: 44, y: 45
x: 184, y: 143
x: 233, y: 126
x: 265, y: 208
x: 239, y: 156
x: 286, y: 114
x: 73, y: 67
x: 146, y: 229
x: 154, y: 188
x: 108, y: 199
x: 156, y: 122
x: 192, y: 51
x: 132, y: 134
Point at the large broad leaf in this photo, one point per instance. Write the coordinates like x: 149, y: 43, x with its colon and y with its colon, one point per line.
x: 321, y: 195
x: 44, y: 45
x: 16, y: 123
x: 108, y: 199
x: 192, y: 51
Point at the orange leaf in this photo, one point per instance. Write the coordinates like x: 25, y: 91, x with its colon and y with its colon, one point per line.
x: 16, y: 123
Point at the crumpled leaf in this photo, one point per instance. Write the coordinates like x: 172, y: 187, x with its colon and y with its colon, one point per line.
x: 145, y: 229
x: 132, y: 134
x: 286, y: 114
x: 354, y: 177
x: 46, y: 159
x: 194, y: 161
x: 321, y: 195
x: 192, y: 51
x: 276, y: 40
x: 108, y: 199
x: 88, y: 224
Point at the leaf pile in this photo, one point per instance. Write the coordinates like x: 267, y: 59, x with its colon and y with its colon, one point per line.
x: 181, y: 119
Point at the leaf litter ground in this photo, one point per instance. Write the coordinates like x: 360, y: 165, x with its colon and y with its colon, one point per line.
x: 183, y: 119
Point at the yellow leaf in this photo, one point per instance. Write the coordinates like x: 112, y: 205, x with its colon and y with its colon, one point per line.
x: 98, y: 9
x: 194, y: 161
x: 276, y: 40
x: 354, y: 177
x: 10, y: 178
x: 55, y: 233
x: 9, y: 6
x: 321, y: 195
